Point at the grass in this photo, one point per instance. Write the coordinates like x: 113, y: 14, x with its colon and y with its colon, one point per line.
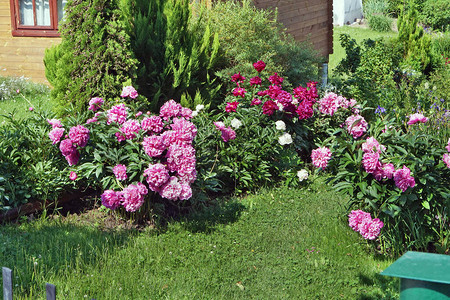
x: 277, y: 244
x: 357, y: 33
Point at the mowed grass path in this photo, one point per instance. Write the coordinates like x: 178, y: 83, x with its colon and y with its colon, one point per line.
x: 277, y: 244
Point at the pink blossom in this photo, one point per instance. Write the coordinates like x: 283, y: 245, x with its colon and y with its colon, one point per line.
x: 120, y: 137
x: 371, y: 145
x: 228, y: 134
x: 186, y: 113
x: 219, y: 125
x: 446, y: 159
x: 417, y: 118
x: 111, y: 199
x: 403, y: 179
x: 329, y: 104
x: 130, y: 129
x: 231, y: 106
x: 153, y: 145
x: 79, y: 135
x: 186, y: 130
x: 237, y: 77
x: 305, y: 109
x: 170, y: 137
x: 31, y: 108
x: 370, y: 229
x: 371, y: 162
x: 139, y: 113
x: 153, y: 124
x: 73, y: 157
x: 170, y: 109
x: 356, y: 217
x: 132, y: 198
x: 95, y: 103
x: 172, y: 189
x: 129, y: 91
x: 67, y: 147
x: 91, y: 120
x: 275, y: 79
x: 157, y: 175
x: 54, y: 122
x: 284, y: 98
x: 55, y: 135
x: 356, y: 125
x: 269, y: 107
x: 259, y: 66
x: 181, y: 159
x: 73, y: 176
x: 188, y: 177
x: 320, y: 157
x: 448, y: 145
x: 255, y: 101
x: 274, y: 91
x: 255, y: 81
x: 117, y: 114
x: 186, y: 192
x: 239, y: 92
x: 142, y: 189
x: 120, y: 171
x: 385, y: 172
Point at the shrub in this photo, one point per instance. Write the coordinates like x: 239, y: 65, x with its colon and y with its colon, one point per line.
x: 177, y: 58
x: 94, y: 57
x: 380, y: 23
x: 441, y: 45
x: 436, y: 14
x: 248, y: 34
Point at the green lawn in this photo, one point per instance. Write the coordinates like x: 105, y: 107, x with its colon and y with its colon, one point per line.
x: 280, y: 243
x: 357, y: 33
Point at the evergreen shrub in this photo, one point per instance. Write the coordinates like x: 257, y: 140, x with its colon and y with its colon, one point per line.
x: 436, y: 14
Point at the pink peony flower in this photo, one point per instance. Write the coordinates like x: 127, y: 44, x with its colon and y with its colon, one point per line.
x: 320, y: 157
x: 239, y: 92
x: 153, y: 124
x: 255, y: 101
x: 356, y: 217
x: 31, y: 108
x: 95, y: 103
x: 255, y: 81
x: 186, y: 113
x: 186, y: 192
x: 120, y: 171
x: 73, y: 157
x: 371, y: 145
x: 403, y: 179
x: 371, y: 162
x: 219, y: 125
x: 73, y: 176
x: 329, y: 104
x: 356, y: 125
x: 157, y: 175
x: 446, y: 159
x: 91, y: 120
x: 79, y: 135
x: 170, y: 109
x: 448, y: 145
x: 385, y: 172
x: 130, y: 129
x: 120, y: 137
x: 259, y: 66
x: 417, y: 118
x: 56, y: 134
x: 132, y: 198
x: 153, y: 145
x: 305, y: 110
x: 55, y: 123
x: 111, y: 199
x: 67, y: 147
x: 370, y: 229
x: 185, y: 129
x: 181, y: 159
x: 275, y: 79
x: 269, y: 107
x: 117, y: 114
x: 172, y: 189
x: 237, y: 77
x: 129, y: 91
x: 231, y: 106
x: 228, y: 134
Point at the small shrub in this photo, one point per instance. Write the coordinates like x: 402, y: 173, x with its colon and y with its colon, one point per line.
x: 380, y: 23
x: 436, y: 14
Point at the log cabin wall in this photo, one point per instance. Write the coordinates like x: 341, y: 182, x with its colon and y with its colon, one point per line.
x: 21, y: 56
x: 306, y: 20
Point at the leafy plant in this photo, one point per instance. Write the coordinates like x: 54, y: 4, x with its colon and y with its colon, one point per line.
x: 436, y: 14
x: 380, y: 23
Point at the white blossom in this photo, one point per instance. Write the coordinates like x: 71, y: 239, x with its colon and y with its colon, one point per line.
x: 280, y: 125
x: 285, y: 139
x: 235, y: 123
x: 302, y: 174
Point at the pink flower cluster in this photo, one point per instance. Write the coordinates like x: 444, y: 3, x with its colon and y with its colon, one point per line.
x: 403, y: 179
x: 417, y: 118
x: 131, y: 198
x: 95, y: 103
x: 356, y: 125
x: 117, y: 114
x: 172, y: 109
x: 446, y: 156
x: 129, y: 91
x: 120, y: 171
x: 362, y: 222
x: 331, y: 102
x: 227, y: 133
x: 320, y: 157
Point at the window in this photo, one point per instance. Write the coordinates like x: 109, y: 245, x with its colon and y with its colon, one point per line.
x: 36, y: 17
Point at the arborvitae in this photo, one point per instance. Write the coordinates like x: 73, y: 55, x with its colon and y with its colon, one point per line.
x: 94, y: 58
x: 175, y: 60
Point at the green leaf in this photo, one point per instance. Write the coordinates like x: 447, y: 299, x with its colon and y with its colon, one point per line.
x: 426, y: 204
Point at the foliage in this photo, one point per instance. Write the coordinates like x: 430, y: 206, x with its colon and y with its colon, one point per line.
x: 94, y: 57
x: 436, y: 14
x: 177, y: 58
x: 441, y: 45
x: 380, y: 23
x: 248, y: 34
x: 29, y: 168
x: 10, y: 87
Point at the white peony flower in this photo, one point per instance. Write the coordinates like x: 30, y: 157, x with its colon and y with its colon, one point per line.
x: 285, y: 139
x: 302, y: 174
x: 199, y: 107
x: 235, y: 123
x: 194, y: 113
x: 280, y: 125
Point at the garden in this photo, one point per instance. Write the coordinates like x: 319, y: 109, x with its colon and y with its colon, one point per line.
x: 190, y: 156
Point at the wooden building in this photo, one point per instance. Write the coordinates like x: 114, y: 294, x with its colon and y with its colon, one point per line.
x: 28, y: 27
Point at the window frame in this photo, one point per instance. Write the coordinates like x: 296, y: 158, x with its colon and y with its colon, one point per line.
x: 34, y: 30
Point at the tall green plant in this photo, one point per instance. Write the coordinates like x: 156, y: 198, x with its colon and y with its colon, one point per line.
x: 94, y: 57
x: 176, y: 60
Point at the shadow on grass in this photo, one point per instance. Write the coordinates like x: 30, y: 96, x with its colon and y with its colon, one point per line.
x: 388, y: 287
x: 205, y: 220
